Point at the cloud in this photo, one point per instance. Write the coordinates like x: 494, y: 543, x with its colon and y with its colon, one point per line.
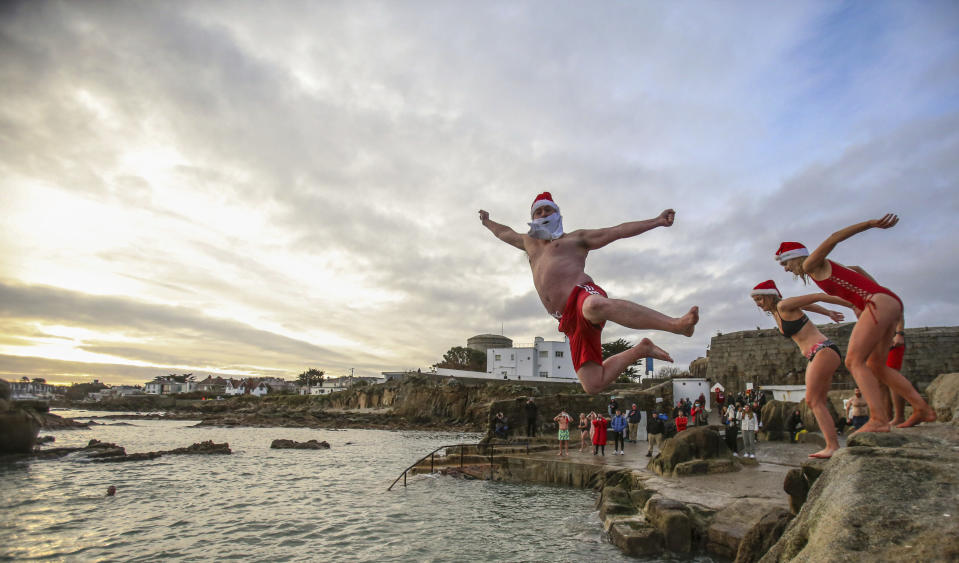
x: 280, y: 184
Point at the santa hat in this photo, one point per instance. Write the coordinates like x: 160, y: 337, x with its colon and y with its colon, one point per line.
x: 768, y: 287
x: 542, y: 199
x: 790, y: 250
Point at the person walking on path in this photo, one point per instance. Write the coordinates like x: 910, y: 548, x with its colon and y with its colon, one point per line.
x: 619, y: 428
x: 632, y: 418
x: 583, y: 431
x: 750, y: 425
x: 599, y: 433
x: 824, y: 357
x: 563, y: 420
x: 531, y: 409
x: 870, y: 338
x: 558, y: 262
x: 655, y: 426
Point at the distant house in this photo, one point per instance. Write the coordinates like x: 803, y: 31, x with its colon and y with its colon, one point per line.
x: 212, y: 385
x: 334, y: 384
x: 31, y: 389
x: 168, y: 386
x: 258, y: 386
x: 116, y: 391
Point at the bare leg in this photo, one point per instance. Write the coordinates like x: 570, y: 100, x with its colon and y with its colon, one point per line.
x: 594, y: 377
x: 598, y: 309
x: 899, y: 408
x: 819, y: 374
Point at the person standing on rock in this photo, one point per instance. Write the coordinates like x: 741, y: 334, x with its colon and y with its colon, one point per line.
x: 583, y: 431
x: 531, y: 410
x: 655, y: 427
x: 824, y: 357
x: 732, y: 429
x: 632, y: 418
x: 563, y: 420
x: 859, y: 410
x: 750, y: 425
x: 599, y: 433
x: 870, y: 338
x: 558, y: 263
x: 619, y: 425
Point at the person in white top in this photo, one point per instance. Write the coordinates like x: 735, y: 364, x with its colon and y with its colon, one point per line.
x: 750, y: 424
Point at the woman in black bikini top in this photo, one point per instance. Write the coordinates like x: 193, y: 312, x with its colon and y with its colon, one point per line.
x: 821, y: 367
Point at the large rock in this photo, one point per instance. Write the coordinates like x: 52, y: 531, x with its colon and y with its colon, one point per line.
x: 731, y: 525
x: 674, y: 521
x: 763, y: 535
x: 943, y: 395
x: 291, y: 445
x: 700, y: 443
x: 885, y: 497
x: 775, y: 416
x: 809, y: 419
x: 18, y: 431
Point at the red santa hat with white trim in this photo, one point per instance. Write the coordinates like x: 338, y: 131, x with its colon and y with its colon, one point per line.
x: 542, y: 199
x: 768, y: 287
x: 790, y: 250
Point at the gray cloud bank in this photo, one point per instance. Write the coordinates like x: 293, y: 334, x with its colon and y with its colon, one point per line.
x: 365, y: 135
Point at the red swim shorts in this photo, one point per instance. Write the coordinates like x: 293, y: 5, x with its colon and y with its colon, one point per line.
x: 894, y: 359
x: 584, y: 336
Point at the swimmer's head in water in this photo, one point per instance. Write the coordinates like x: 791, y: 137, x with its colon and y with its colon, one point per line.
x: 547, y: 223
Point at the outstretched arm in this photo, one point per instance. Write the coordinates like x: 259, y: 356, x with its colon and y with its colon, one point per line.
x: 806, y: 301
x: 817, y: 258
x: 502, y: 232
x: 598, y: 238
x: 836, y: 316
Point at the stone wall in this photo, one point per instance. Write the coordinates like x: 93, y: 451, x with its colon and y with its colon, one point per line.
x: 764, y: 357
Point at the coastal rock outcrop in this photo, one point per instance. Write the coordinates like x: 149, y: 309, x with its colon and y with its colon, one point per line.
x: 775, y: 416
x: 291, y: 445
x: 944, y: 397
x: 889, y: 497
x: 695, y: 451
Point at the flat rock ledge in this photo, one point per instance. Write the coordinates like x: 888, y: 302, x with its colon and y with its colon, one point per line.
x: 291, y: 445
x: 105, y: 452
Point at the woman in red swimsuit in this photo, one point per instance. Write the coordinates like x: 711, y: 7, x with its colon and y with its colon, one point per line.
x: 878, y: 311
x: 823, y: 355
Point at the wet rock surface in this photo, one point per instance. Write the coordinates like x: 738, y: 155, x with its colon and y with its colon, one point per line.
x: 292, y: 445
x: 698, y: 450
x: 889, y: 496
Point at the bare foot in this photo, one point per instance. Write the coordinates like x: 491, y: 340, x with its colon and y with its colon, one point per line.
x: 687, y: 323
x: 897, y: 421
x: 823, y: 454
x: 927, y: 415
x: 873, y: 426
x: 654, y: 351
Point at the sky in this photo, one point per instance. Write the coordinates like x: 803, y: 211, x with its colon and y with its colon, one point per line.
x: 259, y: 188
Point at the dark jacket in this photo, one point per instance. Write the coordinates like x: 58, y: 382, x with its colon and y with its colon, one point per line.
x: 530, y: 411
x: 654, y: 425
x: 634, y: 416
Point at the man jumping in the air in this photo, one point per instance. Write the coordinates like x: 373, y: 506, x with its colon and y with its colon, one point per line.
x: 558, y: 261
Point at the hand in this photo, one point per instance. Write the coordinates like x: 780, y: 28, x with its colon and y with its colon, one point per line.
x: 888, y: 220
x: 484, y: 216
x: 836, y: 316
x: 667, y: 217
x: 899, y: 340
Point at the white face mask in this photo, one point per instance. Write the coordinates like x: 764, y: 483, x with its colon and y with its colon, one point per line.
x: 547, y: 228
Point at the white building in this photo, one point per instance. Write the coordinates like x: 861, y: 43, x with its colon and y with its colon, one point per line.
x: 690, y: 388
x: 790, y: 393
x: 168, y: 386
x: 541, y: 361
x: 35, y: 389
x: 334, y: 384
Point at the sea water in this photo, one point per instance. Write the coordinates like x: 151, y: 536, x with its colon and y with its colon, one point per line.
x: 260, y: 504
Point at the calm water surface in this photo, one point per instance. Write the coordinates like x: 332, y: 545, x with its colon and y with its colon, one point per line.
x: 281, y: 505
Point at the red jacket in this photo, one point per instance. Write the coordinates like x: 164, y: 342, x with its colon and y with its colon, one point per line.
x: 599, y: 432
x: 681, y: 422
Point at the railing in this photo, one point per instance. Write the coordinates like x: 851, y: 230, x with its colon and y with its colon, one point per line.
x: 491, y: 446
